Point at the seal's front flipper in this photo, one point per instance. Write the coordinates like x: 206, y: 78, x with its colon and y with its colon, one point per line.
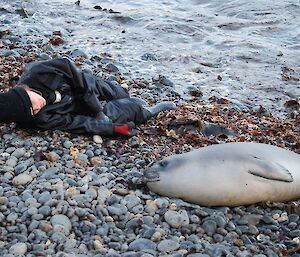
x: 269, y: 170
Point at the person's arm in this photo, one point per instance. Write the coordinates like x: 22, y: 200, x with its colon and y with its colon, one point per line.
x: 52, y: 73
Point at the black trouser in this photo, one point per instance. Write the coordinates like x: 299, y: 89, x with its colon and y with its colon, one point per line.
x: 126, y: 110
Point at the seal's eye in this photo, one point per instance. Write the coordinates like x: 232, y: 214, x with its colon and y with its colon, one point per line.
x: 163, y: 163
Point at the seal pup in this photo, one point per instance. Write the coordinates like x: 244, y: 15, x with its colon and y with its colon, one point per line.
x: 229, y: 174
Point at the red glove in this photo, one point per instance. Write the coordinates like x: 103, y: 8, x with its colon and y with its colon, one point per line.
x: 125, y: 130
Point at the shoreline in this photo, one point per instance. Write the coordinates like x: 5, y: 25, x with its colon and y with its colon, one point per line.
x: 63, y: 194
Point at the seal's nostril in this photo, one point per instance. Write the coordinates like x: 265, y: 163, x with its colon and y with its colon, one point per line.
x: 151, y: 175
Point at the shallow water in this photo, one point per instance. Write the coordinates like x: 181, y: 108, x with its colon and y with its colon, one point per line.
x: 247, y: 43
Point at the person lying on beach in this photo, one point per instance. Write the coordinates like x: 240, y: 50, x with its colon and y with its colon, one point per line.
x: 55, y: 94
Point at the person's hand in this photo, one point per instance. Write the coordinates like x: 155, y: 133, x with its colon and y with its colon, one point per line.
x: 37, y: 101
x: 125, y: 131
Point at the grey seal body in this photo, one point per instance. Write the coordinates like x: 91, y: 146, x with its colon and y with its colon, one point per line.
x: 228, y: 174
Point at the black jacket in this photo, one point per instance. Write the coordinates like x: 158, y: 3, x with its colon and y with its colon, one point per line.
x: 81, y: 92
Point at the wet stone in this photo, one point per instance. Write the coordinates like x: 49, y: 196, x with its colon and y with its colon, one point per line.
x: 148, y: 57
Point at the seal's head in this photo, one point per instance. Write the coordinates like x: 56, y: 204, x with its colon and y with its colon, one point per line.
x: 157, y: 177
x: 152, y: 174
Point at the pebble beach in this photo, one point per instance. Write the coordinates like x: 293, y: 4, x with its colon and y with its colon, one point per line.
x: 66, y: 195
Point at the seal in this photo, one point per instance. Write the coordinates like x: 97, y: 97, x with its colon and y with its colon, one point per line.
x: 229, y: 174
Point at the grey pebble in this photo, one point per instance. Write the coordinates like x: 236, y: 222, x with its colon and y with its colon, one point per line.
x: 68, y: 144
x: 295, y: 233
x: 217, y: 250
x: 117, y: 209
x: 18, y: 153
x: 177, y: 219
x: 131, y: 201
x: 209, y: 227
x: 58, y: 237
x: 10, y: 149
x: 20, y: 168
x: 44, y: 197
x: 45, y: 210
x: 12, y: 162
x: 12, y: 217
x: 49, y: 173
x: 142, y: 244
x: 198, y: 255
x: 167, y: 245
x: 61, y: 223
x: 18, y: 249
x: 161, y: 202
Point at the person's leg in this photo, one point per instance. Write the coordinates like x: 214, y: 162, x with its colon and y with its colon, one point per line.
x: 132, y: 109
x: 163, y: 106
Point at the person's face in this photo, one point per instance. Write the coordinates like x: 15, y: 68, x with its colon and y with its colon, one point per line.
x: 37, y: 101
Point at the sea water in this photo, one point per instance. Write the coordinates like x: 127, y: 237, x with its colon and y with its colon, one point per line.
x: 246, y: 51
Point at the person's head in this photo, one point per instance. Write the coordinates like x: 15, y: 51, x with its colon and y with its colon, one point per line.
x: 36, y: 99
x: 20, y: 104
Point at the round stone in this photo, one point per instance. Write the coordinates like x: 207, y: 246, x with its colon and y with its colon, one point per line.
x: 61, y: 223
x: 209, y: 227
x: 168, y: 245
x: 161, y: 203
x: 97, y: 139
x: 20, y: 168
x: 18, y: 153
x: 177, y: 219
x: 142, y: 244
x: 22, y: 179
x: 68, y: 144
x: 18, y: 249
x: 12, y: 162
